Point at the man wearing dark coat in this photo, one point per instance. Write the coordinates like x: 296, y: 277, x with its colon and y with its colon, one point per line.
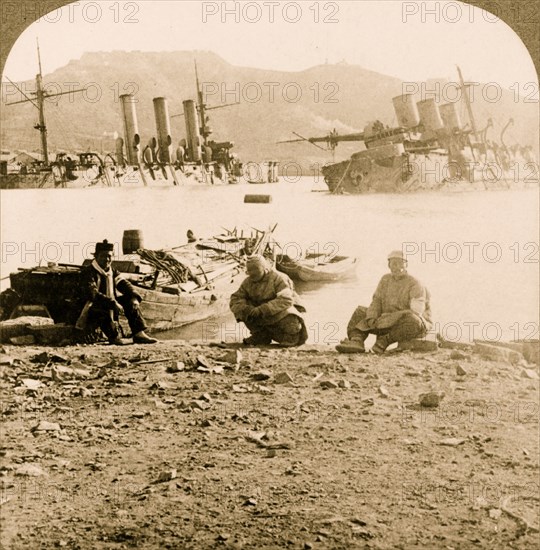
x: 269, y: 307
x: 106, y: 295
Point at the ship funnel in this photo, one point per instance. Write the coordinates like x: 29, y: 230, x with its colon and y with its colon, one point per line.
x: 119, y: 147
x: 406, y: 111
x: 429, y: 114
x: 131, y: 128
x: 450, y: 116
x: 163, y: 128
x: 192, y: 131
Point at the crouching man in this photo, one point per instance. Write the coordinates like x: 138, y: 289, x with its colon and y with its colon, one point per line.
x: 107, y: 295
x: 269, y: 307
x: 400, y: 311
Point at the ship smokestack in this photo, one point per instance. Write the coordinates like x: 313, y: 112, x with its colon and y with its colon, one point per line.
x: 163, y: 128
x: 450, y: 116
x: 429, y: 114
x: 406, y: 111
x: 131, y: 128
x: 192, y: 131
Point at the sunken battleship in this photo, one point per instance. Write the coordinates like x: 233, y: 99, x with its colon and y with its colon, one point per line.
x: 429, y: 149
x: 195, y: 159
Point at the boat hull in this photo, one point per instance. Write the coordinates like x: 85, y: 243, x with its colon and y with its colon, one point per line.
x: 316, y: 269
x: 162, y: 311
x: 331, y: 272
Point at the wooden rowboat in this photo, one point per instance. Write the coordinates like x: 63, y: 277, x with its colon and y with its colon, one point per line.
x: 318, y: 267
x: 183, y: 285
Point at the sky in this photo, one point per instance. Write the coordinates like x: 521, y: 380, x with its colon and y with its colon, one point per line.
x: 407, y: 39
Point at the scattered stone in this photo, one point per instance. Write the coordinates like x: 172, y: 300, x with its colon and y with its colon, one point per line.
x: 495, y: 513
x: 497, y: 353
x: 283, y: 378
x: 216, y: 369
x: 205, y: 397
x: 31, y: 384
x: 176, y: 366
x: 452, y: 441
x: 167, y: 475
x: 45, y: 426
x: 270, y: 453
x: 345, y: 384
x: 460, y: 371
x: 233, y: 357
x: 529, y: 373
x: 431, y: 399
x: 160, y: 385
x: 383, y: 392
x: 204, y: 362
x: 250, y: 502
x: 30, y: 470
x: 328, y: 384
x: 459, y: 356
x: 63, y: 372
x: 223, y: 536
x: 27, y: 340
x: 46, y: 357
x: 199, y: 404
x: 447, y: 344
x: 6, y: 360
x: 261, y: 375
x: 419, y: 345
x: 368, y: 401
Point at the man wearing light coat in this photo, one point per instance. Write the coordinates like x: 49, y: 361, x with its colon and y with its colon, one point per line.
x: 400, y: 311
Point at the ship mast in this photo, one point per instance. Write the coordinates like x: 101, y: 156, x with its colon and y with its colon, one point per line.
x: 41, y: 95
x: 468, y: 103
x: 40, y: 101
x: 201, y: 105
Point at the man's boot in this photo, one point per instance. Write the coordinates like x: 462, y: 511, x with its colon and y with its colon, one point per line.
x: 351, y: 346
x: 381, y: 344
x: 260, y: 338
x: 143, y: 338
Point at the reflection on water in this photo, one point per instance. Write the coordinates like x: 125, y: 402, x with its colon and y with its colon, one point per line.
x: 476, y: 251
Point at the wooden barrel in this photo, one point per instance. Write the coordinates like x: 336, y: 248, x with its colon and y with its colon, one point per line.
x: 132, y: 240
x: 260, y: 199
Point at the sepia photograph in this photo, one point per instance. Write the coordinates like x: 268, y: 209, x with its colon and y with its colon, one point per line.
x: 269, y: 274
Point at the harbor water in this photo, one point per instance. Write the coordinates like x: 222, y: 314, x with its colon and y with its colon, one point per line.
x: 477, y: 252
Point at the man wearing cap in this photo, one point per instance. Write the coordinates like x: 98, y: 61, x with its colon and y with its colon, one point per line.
x: 400, y: 311
x: 107, y: 294
x: 269, y: 307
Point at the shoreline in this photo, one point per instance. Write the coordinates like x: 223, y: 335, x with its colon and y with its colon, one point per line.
x: 196, y: 446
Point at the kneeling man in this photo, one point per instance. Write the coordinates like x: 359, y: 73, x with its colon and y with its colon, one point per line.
x: 400, y: 311
x: 268, y: 305
x: 107, y: 295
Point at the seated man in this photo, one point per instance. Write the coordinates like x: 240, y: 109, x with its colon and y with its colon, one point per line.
x: 100, y: 288
x: 400, y: 311
x: 268, y: 305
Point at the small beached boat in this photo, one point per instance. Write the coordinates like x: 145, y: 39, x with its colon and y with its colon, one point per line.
x: 317, y: 267
x: 178, y: 286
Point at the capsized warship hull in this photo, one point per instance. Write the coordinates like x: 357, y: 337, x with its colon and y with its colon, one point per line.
x: 429, y: 149
x: 390, y: 169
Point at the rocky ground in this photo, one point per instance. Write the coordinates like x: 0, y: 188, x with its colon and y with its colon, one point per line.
x: 180, y: 445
